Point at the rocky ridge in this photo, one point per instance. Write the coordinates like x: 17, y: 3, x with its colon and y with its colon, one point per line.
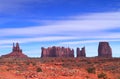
x: 57, y: 52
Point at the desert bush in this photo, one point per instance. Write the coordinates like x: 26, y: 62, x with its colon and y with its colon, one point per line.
x: 39, y: 69
x: 87, y: 77
x: 89, y: 62
x: 102, y: 75
x: 33, y: 64
x: 91, y: 70
x: 27, y: 63
x: 118, y: 78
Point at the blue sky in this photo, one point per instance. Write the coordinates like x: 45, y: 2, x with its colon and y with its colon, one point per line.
x: 69, y: 23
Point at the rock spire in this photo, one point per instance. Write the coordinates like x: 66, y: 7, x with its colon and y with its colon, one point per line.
x: 16, y: 52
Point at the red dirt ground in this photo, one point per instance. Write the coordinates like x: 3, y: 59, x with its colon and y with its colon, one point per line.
x: 60, y: 68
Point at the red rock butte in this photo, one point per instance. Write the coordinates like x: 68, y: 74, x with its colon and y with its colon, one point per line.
x: 57, y: 52
x: 81, y: 53
x: 16, y: 52
x: 104, y: 50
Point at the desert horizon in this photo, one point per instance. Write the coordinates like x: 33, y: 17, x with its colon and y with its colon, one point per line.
x: 104, y: 50
x: 59, y: 39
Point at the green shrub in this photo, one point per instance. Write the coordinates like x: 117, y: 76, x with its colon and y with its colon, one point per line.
x: 33, y: 63
x: 39, y: 69
x: 27, y: 63
x: 91, y: 70
x: 102, y: 75
x: 118, y: 77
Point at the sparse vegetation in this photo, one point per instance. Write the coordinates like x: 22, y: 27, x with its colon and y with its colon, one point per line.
x: 39, y: 69
x: 27, y: 63
x: 102, y: 75
x: 87, y: 77
x: 91, y: 70
x: 45, y: 68
x: 118, y: 77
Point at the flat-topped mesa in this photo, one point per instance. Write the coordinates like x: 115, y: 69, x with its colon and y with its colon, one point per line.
x: 104, y: 50
x: 57, y: 52
x: 16, y: 52
x: 81, y: 53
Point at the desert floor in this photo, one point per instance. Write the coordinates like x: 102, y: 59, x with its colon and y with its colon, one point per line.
x: 60, y: 68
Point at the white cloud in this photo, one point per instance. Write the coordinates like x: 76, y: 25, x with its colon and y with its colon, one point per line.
x: 11, y: 6
x: 91, y: 23
x: 86, y: 26
x: 87, y: 41
x: 37, y: 39
x: 5, y: 46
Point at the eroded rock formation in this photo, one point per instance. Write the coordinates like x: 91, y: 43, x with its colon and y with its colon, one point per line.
x: 104, y: 50
x: 16, y: 52
x: 81, y: 53
x: 57, y: 52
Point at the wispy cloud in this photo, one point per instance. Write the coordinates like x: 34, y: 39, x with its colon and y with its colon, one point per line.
x: 78, y: 27
x: 88, y: 41
x: 38, y: 39
x: 89, y: 23
x: 5, y: 46
x: 8, y: 6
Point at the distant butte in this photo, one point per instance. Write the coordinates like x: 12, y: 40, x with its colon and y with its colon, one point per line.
x: 57, y: 52
x: 104, y: 50
x: 81, y: 53
x: 16, y: 52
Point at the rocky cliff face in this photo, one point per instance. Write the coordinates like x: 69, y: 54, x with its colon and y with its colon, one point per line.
x: 104, y: 50
x: 81, y: 53
x: 16, y: 52
x: 57, y: 52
